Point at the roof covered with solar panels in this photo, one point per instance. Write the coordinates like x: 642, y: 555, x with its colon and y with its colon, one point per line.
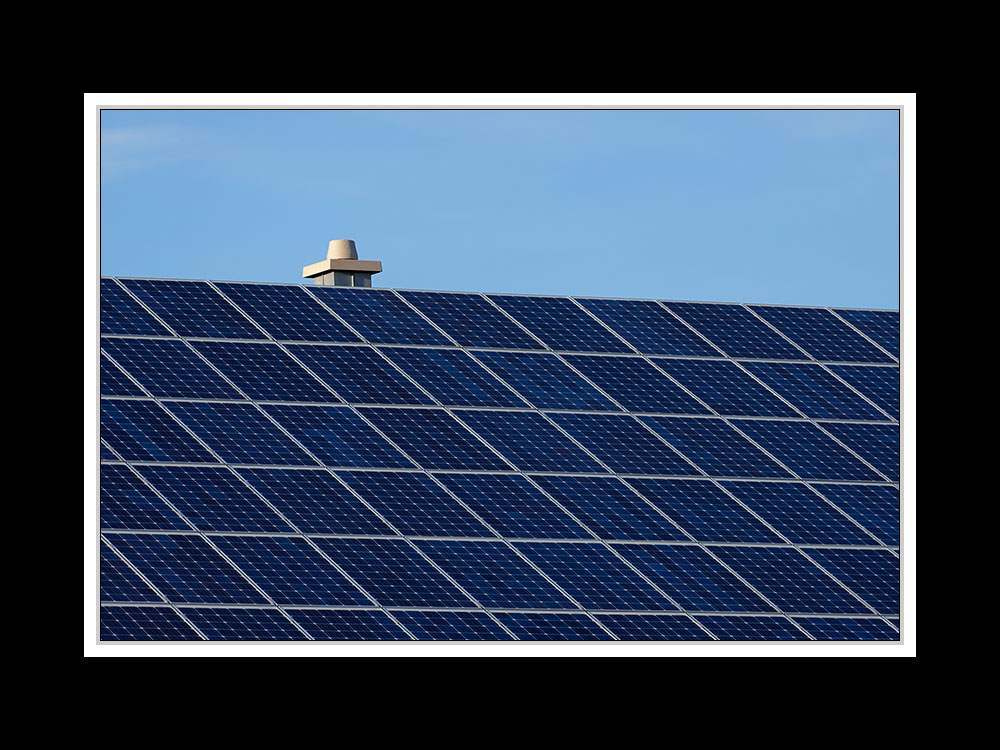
x: 282, y: 462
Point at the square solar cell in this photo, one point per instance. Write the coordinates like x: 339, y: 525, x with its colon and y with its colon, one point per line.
x: 472, y: 320
x: 114, y: 382
x: 735, y: 330
x: 703, y: 510
x: 379, y: 315
x: 881, y: 326
x: 394, y: 573
x: 625, y: 444
x: 119, y: 583
x: 144, y: 624
x: 798, y: 513
x: 337, y: 436
x: 649, y: 327
x: 609, y: 508
x: 451, y: 626
x: 193, y: 308
x: 240, y: 434
x: 494, y: 575
x: 560, y: 323
x: 715, y: 447
x: 806, y: 450
x: 185, y: 568
x: 528, y: 441
x: 433, y: 439
x: 654, y: 628
x: 214, y: 499
x: 143, y: 431
x: 359, y: 375
x: 848, y: 628
x: 552, y: 626
x: 414, y: 504
x: 289, y: 570
x: 127, y: 503
x: 453, y: 377
x: 264, y: 372
x: 872, y: 574
x: 880, y: 384
x: 545, y: 381
x: 120, y: 314
x: 725, y: 387
x: 233, y: 624
x: 594, y: 576
x: 348, y: 625
x: 733, y: 628
x: 790, y: 580
x: 878, y: 444
x: 693, y: 578
x: 636, y: 384
x: 822, y: 334
x: 314, y: 501
x: 813, y: 390
x: 876, y: 507
x: 168, y: 368
x: 287, y: 313
x: 513, y: 506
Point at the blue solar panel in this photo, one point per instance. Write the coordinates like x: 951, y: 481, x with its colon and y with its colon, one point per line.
x: 264, y: 372
x: 453, y: 377
x: 593, y: 576
x: 512, y: 506
x: 235, y: 624
x: 379, y: 315
x: 650, y: 328
x: 636, y: 384
x: 451, y: 626
x: 119, y: 583
x: 726, y: 388
x: 876, y: 507
x: 715, y: 447
x: 314, y: 501
x: 821, y: 334
x: 213, y: 499
x: 872, y: 574
x: 120, y: 314
x: 881, y: 326
x: 798, y: 513
x: 736, y: 331
x: 806, y: 450
x: 394, y: 573
x: 144, y: 624
x: 287, y: 313
x: 348, y: 625
x: 127, y: 503
x: 561, y: 324
x: 545, y: 381
x: 168, y: 368
x: 193, y: 308
x: 359, y: 375
x: 552, y: 626
x: 116, y: 383
x: 240, y: 434
x: 813, y: 390
x: 704, y: 511
x: 609, y: 508
x: 734, y: 628
x: 848, y: 628
x: 654, y: 628
x: 527, y: 440
x: 624, y: 444
x: 878, y: 444
x: 693, y: 578
x: 414, y: 504
x: 880, y: 384
x: 143, y: 431
x: 471, y: 320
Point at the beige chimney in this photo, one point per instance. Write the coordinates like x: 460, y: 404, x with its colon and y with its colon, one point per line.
x: 342, y: 267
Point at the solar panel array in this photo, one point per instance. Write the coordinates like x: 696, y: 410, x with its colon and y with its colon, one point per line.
x: 282, y: 462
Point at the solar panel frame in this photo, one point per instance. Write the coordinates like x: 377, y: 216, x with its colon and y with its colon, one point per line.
x: 122, y: 314
x: 814, y: 390
x: 453, y: 377
x: 649, y: 327
x: 115, y: 382
x: 145, y: 624
x: 735, y: 330
x: 472, y: 320
x: 452, y: 626
x: 193, y: 309
x: 142, y: 430
x: 821, y: 333
x: 637, y: 384
x: 881, y: 326
x: 577, y: 329
x: 380, y: 316
x: 726, y: 388
x: 879, y: 384
x: 553, y: 626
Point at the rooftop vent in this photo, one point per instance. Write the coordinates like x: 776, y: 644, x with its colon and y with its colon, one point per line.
x: 342, y: 267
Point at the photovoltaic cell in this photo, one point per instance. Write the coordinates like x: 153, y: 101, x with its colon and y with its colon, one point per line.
x: 471, y: 320
x: 358, y: 374
x: 453, y: 377
x: 735, y: 628
x: 880, y: 384
x: 813, y: 390
x: 552, y: 626
x: 451, y: 626
x: 636, y: 384
x: 876, y: 507
x: 167, y: 368
x: 193, y: 308
x: 143, y: 431
x: 264, y: 372
x: 878, y: 444
x: 881, y: 326
x: 560, y: 323
x: 232, y: 624
x: 726, y: 388
x: 653, y: 628
x: 822, y: 334
x: 348, y: 625
x: 545, y: 381
x: 120, y: 314
x: 119, y: 583
x: 848, y: 629
x: 287, y: 313
x: 872, y: 574
x: 114, y: 382
x: 127, y: 503
x: 144, y: 624
x: 379, y: 315
x: 735, y: 330
x: 648, y: 327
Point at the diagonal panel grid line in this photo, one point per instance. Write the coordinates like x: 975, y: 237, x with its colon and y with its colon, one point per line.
x: 863, y: 334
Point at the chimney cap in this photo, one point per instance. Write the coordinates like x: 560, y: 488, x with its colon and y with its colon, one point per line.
x: 341, y: 250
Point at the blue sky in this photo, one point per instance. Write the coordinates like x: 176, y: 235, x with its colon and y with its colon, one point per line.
x: 783, y: 207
